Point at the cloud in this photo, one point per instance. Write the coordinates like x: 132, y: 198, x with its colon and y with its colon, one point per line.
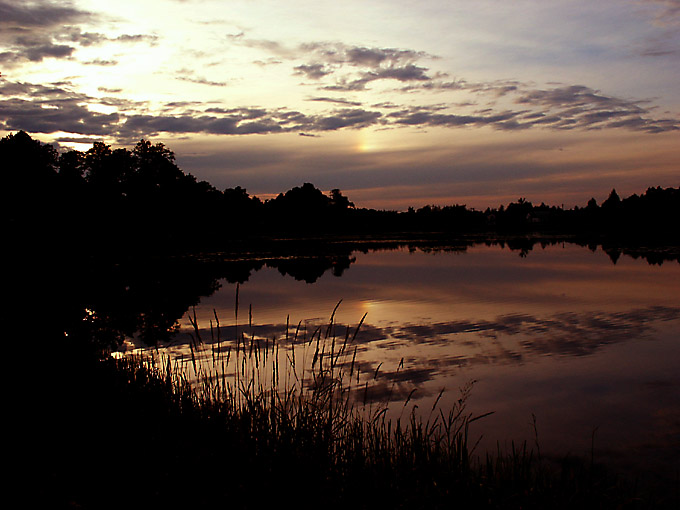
x: 16, y: 114
x: 353, y: 66
x: 419, y: 116
x: 376, y: 57
x: 109, y: 90
x: 101, y: 62
x: 352, y: 118
x: 38, y: 52
x: 74, y: 139
x: 51, y: 108
x: 189, y: 75
x: 575, y: 95
x: 406, y: 73
x: 565, y: 334
x: 30, y: 31
x: 436, y: 86
x: 577, y: 106
x: 202, y: 81
x: 506, y: 340
x: 40, y: 30
x: 244, y: 122
x: 561, y: 108
x: 56, y: 107
x: 274, y: 47
x: 375, y: 64
x: 346, y: 102
x: 76, y: 35
x: 312, y: 71
x: 136, y: 38
x: 666, y: 12
x: 39, y: 14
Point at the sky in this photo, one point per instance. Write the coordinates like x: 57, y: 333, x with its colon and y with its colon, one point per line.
x: 397, y: 103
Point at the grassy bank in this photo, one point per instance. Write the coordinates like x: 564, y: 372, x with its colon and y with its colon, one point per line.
x: 252, y: 423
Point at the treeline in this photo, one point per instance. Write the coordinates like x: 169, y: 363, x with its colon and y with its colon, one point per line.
x: 139, y: 196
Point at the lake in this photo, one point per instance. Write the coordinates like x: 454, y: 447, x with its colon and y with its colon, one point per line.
x: 585, y: 341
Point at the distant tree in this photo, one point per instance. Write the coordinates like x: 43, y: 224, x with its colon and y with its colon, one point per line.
x: 96, y: 160
x: 305, y: 199
x: 339, y: 201
x: 25, y: 160
x: 612, y: 201
x: 105, y: 173
x: 155, y: 168
x: 72, y: 166
x: 239, y: 205
x: 28, y: 178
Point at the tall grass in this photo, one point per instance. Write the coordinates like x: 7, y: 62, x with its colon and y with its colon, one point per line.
x: 251, y: 422
x: 293, y: 415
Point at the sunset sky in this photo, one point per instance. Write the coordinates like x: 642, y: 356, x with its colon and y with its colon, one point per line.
x: 396, y: 103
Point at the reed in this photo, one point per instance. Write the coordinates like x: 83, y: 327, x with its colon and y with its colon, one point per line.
x: 249, y: 422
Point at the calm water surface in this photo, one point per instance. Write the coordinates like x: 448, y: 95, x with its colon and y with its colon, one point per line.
x: 591, y: 348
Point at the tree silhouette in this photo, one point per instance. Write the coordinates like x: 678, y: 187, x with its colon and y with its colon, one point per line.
x: 612, y: 202
x: 140, y: 197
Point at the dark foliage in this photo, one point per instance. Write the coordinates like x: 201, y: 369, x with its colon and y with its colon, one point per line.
x: 139, y: 199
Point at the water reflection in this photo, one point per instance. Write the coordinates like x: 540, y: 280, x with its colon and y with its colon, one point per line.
x: 582, y: 337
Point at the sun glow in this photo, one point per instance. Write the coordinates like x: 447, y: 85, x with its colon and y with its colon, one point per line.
x: 365, y: 142
x: 369, y: 140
